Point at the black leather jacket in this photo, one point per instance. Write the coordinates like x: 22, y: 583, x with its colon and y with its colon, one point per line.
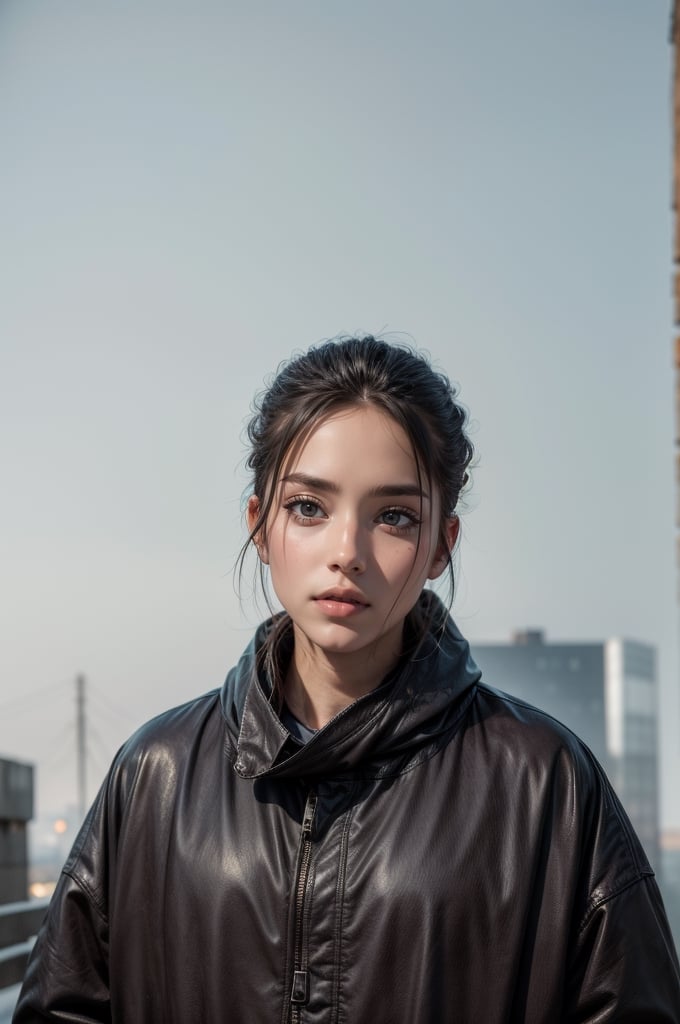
x: 439, y: 852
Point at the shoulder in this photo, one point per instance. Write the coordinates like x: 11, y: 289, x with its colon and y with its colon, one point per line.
x: 150, y: 765
x: 170, y: 737
x: 549, y: 768
x: 157, y: 753
x: 175, y: 726
x: 515, y: 724
x: 540, y: 750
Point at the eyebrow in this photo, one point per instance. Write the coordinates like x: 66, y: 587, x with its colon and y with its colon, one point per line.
x: 317, y: 483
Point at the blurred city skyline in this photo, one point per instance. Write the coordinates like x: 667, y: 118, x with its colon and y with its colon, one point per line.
x: 192, y: 195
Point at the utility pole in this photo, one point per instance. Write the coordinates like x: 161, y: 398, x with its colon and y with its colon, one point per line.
x: 80, y: 746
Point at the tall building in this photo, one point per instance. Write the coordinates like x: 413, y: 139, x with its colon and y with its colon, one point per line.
x: 607, y: 694
x: 670, y: 878
x: 16, y: 809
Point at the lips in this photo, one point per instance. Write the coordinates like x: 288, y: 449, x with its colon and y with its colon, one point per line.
x: 349, y: 597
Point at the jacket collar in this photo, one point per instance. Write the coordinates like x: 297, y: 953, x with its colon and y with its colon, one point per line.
x: 413, y: 710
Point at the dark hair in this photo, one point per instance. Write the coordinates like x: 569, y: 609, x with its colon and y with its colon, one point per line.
x: 347, y: 372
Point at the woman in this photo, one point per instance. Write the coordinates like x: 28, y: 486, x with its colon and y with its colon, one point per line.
x: 356, y: 827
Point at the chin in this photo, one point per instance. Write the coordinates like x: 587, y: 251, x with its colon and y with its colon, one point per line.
x: 336, y: 639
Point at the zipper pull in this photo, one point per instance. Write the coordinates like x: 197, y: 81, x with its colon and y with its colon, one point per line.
x: 300, y: 990
x: 308, y: 819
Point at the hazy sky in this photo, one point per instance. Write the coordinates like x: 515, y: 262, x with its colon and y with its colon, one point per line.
x: 190, y: 192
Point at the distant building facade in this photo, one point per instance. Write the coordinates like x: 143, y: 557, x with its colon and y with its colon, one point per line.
x: 16, y: 810
x: 670, y: 878
x: 607, y: 694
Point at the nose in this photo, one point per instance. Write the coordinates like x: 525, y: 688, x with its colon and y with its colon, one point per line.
x: 346, y: 552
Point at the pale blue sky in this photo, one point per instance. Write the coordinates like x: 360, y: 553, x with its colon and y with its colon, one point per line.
x: 192, y: 191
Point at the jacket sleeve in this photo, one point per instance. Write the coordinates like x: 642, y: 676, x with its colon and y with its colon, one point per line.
x: 67, y: 977
x: 67, y: 974
x: 623, y: 966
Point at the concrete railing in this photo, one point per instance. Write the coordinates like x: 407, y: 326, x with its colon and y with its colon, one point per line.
x: 19, y: 923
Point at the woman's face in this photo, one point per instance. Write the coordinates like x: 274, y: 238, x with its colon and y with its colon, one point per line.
x: 352, y: 535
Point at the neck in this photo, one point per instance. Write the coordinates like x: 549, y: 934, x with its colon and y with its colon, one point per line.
x: 319, y: 685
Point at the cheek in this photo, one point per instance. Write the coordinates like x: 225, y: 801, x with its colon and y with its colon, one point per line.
x: 415, y: 559
x: 287, y: 547
x: 399, y: 561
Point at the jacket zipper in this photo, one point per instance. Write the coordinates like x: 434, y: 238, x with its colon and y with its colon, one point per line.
x: 299, y: 993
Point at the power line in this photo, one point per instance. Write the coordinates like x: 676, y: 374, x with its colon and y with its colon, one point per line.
x: 101, y: 749
x: 28, y: 699
x: 61, y: 748
x: 75, y: 734
x: 106, y: 704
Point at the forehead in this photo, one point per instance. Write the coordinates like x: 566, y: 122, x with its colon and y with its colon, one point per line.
x: 359, y: 440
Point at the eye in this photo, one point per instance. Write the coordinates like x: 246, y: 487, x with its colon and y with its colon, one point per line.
x: 304, y: 509
x: 399, y: 518
x: 308, y: 509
